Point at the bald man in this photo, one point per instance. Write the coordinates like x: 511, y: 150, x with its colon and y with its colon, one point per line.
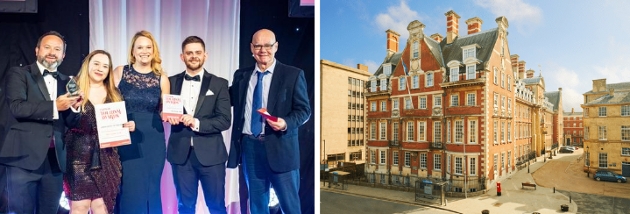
x: 268, y: 149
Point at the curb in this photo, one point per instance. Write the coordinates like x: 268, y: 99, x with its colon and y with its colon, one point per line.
x: 390, y: 200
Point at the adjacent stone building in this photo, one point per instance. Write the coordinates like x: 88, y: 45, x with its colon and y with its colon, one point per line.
x: 342, y: 113
x: 607, y: 126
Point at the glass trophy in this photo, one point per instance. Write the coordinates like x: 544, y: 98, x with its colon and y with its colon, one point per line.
x: 72, y: 87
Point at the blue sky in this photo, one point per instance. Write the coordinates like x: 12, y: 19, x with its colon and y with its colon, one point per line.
x: 571, y: 42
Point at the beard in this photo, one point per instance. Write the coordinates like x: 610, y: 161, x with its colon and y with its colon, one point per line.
x: 193, y: 67
x: 50, y: 66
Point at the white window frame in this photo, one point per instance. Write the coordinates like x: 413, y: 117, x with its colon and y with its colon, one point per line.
x: 469, y: 52
x: 602, y: 160
x: 415, y: 49
x: 410, y: 130
x: 408, y: 104
x: 437, y: 131
x: 625, y: 151
x: 625, y: 133
x: 625, y: 110
x: 372, y: 85
x: 448, y: 131
x: 471, y: 99
x: 395, y: 158
x: 395, y: 131
x: 395, y: 104
x: 448, y: 163
x: 373, y: 131
x: 454, y: 75
x: 455, y: 100
x: 423, y: 160
x: 429, y: 79
x: 383, y: 105
x: 472, y: 131
x: 472, y: 170
x: 422, y: 102
x: 407, y: 159
x: 437, y: 100
x: 383, y: 157
x: 601, y: 132
x: 495, y: 136
x: 383, y: 84
x: 509, y: 131
x: 459, y: 169
x: 402, y: 83
x: 459, y: 131
x: 602, y: 111
x: 383, y: 131
x: 470, y: 72
x: 437, y: 161
x: 372, y: 157
x: 373, y: 106
x: 422, y: 131
x: 496, y: 76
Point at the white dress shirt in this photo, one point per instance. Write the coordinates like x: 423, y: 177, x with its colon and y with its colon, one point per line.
x: 253, y: 80
x: 190, y: 96
x: 51, y: 86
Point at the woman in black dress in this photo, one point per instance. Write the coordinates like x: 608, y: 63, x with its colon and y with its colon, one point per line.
x: 93, y: 176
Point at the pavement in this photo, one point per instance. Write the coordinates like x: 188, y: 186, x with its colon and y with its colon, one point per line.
x: 513, y: 199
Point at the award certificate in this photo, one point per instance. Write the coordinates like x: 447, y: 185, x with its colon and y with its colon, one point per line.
x: 110, y: 118
x: 172, y: 106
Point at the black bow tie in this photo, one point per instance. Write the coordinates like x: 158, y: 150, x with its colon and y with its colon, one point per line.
x: 54, y: 74
x: 189, y: 78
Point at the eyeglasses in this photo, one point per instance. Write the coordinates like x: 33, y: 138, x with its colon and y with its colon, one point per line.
x: 267, y: 46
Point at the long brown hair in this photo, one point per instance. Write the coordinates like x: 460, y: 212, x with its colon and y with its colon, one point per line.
x: 156, y: 63
x: 83, y: 79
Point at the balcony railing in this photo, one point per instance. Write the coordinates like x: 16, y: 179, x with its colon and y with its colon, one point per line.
x: 394, y: 143
x: 436, y: 145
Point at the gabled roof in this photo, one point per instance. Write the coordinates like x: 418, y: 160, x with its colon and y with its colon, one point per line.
x: 569, y: 114
x: 622, y: 86
x: 436, y: 50
x: 554, y: 98
x: 394, y: 59
x: 533, y: 80
x: 485, y: 40
x: 617, y: 98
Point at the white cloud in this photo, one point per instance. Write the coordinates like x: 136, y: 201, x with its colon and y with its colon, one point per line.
x: 350, y: 63
x: 519, y: 13
x: 566, y: 77
x: 571, y: 99
x: 613, y: 73
x: 397, y: 18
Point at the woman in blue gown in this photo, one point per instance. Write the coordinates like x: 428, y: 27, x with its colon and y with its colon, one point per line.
x: 142, y: 83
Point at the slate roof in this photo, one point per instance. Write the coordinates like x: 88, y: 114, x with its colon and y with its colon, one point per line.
x: 554, y: 98
x: 569, y: 114
x: 622, y: 86
x: 485, y: 40
x: 617, y: 98
x: 394, y: 59
x: 533, y: 80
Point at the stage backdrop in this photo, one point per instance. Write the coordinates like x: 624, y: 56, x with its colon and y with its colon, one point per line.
x: 113, y: 23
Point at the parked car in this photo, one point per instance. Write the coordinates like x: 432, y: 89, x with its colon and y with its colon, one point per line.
x: 575, y: 148
x: 605, y: 175
x: 565, y: 149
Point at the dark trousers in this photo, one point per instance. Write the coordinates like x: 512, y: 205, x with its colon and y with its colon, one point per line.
x: 260, y: 178
x: 37, y: 190
x: 187, y: 178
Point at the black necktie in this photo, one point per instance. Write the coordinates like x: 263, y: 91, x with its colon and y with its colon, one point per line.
x: 189, y: 78
x: 54, y: 74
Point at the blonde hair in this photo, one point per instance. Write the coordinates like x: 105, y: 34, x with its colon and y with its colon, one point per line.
x: 156, y: 63
x: 83, y: 80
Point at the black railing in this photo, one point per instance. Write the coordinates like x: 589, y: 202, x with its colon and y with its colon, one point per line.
x: 436, y: 145
x: 394, y: 143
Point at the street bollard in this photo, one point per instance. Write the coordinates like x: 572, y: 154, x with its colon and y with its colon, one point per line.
x: 554, y: 189
x: 485, y: 212
x: 498, y: 188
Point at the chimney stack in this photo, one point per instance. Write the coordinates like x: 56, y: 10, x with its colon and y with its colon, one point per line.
x: 572, y: 110
x: 474, y: 25
x: 599, y: 85
x: 521, y: 69
x: 392, y: 42
x: 530, y: 73
x: 362, y: 67
x: 452, y: 26
x: 437, y: 37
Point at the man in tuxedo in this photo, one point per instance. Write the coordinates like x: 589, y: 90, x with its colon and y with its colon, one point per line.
x: 268, y: 147
x: 33, y: 151
x: 196, y: 149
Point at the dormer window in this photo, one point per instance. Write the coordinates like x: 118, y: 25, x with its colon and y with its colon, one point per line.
x: 383, y: 84
x: 387, y: 69
x: 470, y: 72
x: 415, y: 49
x: 454, y: 74
x: 372, y: 85
x: 470, y: 52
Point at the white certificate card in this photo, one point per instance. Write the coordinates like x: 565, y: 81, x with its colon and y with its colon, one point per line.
x: 110, y: 118
x: 172, y: 106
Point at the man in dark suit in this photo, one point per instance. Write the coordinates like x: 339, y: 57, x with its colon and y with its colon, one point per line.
x: 33, y: 151
x: 196, y: 149
x: 268, y: 149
